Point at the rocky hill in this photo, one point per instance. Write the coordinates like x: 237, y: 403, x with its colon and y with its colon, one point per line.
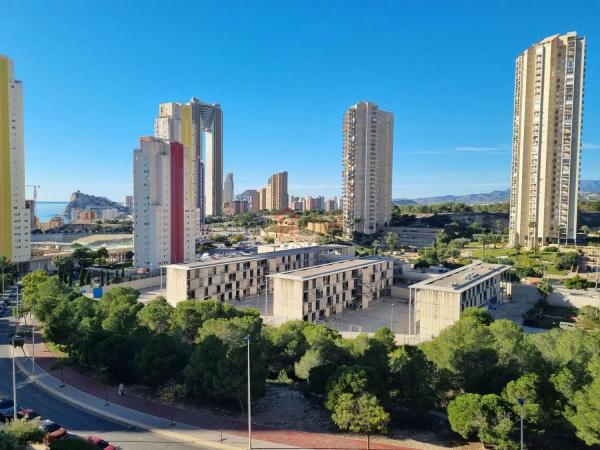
x: 79, y: 200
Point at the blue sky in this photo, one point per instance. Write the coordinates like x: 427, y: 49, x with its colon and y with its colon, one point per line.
x: 284, y: 72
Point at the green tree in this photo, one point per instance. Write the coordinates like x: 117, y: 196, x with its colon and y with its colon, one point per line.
x: 486, y: 417
x: 8, y: 273
x: 353, y: 380
x: 156, y: 315
x: 527, y: 389
x: 285, y: 345
x: 545, y: 288
x: 585, y: 416
x: 361, y: 415
x: 415, y: 382
x: 467, y: 351
x: 391, y: 241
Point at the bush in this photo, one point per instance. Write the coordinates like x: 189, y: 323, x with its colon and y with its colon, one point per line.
x: 550, y: 249
x: 576, y: 282
x: 565, y: 261
x: 7, y: 441
x: 24, y: 431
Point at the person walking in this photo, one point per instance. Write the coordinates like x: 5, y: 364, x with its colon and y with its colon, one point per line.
x: 121, y: 389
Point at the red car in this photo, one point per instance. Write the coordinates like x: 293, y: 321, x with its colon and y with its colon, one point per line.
x: 53, y: 431
x: 100, y: 443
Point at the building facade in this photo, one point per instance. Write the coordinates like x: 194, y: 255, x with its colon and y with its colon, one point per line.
x: 367, y: 168
x: 164, y: 217
x: 197, y: 125
x: 228, y: 188
x: 316, y: 293
x: 15, y: 218
x: 440, y: 301
x: 232, y: 278
x: 548, y: 105
x: 252, y: 197
x: 277, y: 192
x: 129, y: 202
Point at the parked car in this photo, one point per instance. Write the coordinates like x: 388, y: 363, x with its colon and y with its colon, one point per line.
x: 100, y: 443
x: 6, y: 409
x: 53, y: 431
x: 27, y: 414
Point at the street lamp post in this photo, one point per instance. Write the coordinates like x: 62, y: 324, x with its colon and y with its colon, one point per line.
x: 14, y: 381
x: 392, y: 319
x: 32, y: 343
x: 249, y: 399
x: 522, y: 403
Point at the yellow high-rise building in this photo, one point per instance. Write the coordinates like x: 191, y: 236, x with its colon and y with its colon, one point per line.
x: 549, y: 79
x: 15, y: 218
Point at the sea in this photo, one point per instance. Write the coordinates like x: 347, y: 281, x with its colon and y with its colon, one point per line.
x: 46, y: 210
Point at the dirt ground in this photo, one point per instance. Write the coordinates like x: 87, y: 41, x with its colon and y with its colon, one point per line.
x: 288, y: 408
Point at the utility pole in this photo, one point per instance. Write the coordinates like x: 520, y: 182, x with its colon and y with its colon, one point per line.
x: 522, y: 403
x: 249, y: 399
x: 14, y: 381
x: 266, y: 296
x: 32, y: 343
x: 392, y: 319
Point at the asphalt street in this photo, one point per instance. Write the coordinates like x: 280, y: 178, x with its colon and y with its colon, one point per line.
x: 75, y: 420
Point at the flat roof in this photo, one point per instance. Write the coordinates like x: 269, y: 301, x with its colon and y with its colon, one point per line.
x: 326, y: 269
x: 463, y: 278
x: 233, y: 260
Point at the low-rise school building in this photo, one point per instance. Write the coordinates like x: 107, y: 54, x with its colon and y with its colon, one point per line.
x: 440, y: 301
x: 315, y: 293
x: 237, y: 278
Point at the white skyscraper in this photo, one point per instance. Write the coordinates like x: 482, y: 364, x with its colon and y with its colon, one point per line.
x: 367, y: 168
x: 15, y: 218
x: 163, y: 211
x: 548, y: 105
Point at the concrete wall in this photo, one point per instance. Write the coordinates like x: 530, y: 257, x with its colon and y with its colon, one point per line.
x: 135, y: 284
x: 289, y: 303
x: 401, y: 339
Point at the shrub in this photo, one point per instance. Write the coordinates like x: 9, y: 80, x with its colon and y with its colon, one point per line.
x: 7, y: 441
x: 24, y: 431
x: 565, y: 261
x: 576, y: 282
x: 550, y: 249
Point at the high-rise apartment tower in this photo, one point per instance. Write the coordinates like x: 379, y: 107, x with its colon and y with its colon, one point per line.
x: 197, y: 125
x: 228, y: 188
x: 367, y: 168
x: 163, y: 211
x: 549, y: 78
x: 15, y: 218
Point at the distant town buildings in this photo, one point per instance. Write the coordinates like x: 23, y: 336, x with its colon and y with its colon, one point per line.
x: 54, y: 222
x: 276, y: 192
x: 252, y: 197
x: 15, y: 218
x: 236, y: 207
x: 196, y: 124
x: 83, y: 215
x: 129, y: 202
x: 331, y: 205
x: 367, y: 168
x: 164, y: 217
x: 548, y: 105
x: 228, y: 188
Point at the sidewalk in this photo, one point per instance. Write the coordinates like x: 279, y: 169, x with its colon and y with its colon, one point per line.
x: 176, y: 423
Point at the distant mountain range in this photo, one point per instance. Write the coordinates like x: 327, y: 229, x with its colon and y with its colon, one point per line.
x: 589, y: 189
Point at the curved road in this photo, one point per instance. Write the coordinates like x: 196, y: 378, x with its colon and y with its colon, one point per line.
x: 75, y: 420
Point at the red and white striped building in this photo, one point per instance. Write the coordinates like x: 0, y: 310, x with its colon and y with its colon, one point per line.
x: 164, y: 205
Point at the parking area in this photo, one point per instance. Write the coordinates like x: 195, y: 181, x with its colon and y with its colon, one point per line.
x: 149, y: 293
x: 389, y: 313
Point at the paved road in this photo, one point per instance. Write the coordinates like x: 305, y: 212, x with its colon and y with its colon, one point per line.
x: 73, y: 419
